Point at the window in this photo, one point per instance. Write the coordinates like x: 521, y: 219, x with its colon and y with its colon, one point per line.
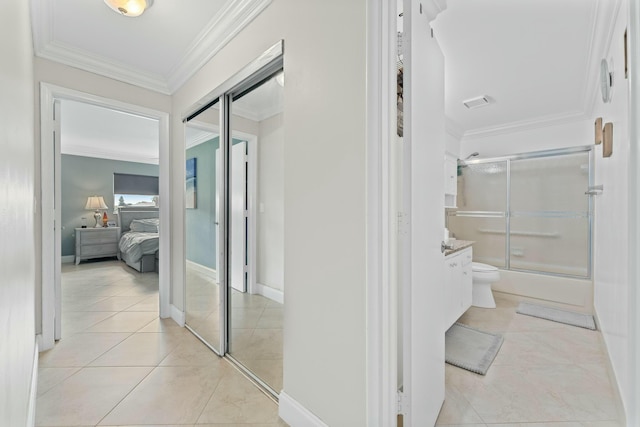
x: 135, y: 190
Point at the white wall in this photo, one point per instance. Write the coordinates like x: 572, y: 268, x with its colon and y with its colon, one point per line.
x: 72, y: 78
x: 324, y: 193
x: 271, y: 203
x: 611, y: 282
x: 17, y: 218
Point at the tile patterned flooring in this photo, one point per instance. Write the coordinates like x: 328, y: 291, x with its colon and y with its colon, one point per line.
x: 118, y: 364
x: 256, y: 326
x: 546, y: 374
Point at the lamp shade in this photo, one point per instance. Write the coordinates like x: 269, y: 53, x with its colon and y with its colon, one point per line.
x: 95, y: 202
x: 131, y: 8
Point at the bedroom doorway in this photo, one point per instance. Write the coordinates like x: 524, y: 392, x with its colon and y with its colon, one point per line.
x: 235, y: 220
x: 52, y: 205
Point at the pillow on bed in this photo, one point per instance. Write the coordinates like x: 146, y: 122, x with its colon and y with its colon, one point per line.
x: 149, y: 225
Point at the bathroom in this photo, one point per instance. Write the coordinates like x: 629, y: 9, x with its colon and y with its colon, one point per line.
x: 543, y: 199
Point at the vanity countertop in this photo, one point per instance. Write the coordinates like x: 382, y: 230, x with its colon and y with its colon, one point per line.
x: 458, y: 245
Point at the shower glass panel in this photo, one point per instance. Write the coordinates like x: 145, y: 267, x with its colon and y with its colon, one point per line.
x: 488, y: 233
x: 552, y: 245
x: 482, y: 187
x: 202, y: 288
x: 256, y: 285
x: 550, y: 184
x: 528, y: 212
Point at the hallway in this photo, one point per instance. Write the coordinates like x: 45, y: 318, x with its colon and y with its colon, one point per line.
x: 119, y: 364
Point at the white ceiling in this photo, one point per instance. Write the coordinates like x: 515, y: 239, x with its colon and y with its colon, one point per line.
x: 538, y: 60
x: 159, y: 50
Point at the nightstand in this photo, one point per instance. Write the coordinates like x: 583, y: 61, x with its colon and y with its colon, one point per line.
x: 96, y: 242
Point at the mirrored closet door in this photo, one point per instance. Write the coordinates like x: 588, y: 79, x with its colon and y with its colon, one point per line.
x: 234, y: 218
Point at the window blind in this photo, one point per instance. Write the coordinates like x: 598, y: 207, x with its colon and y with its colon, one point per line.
x: 124, y: 183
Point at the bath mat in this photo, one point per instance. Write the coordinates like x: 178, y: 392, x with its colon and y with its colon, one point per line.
x: 471, y: 349
x: 561, y: 316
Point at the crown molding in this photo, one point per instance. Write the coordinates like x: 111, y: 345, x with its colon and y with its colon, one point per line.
x: 227, y: 23
x: 524, y: 125
x: 85, y: 151
x: 77, y: 58
x: 263, y: 114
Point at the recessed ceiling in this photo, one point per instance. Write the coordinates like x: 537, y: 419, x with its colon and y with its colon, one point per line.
x: 159, y: 50
x: 536, y: 59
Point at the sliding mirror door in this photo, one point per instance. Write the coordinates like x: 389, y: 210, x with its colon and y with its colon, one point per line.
x: 202, y: 205
x: 256, y: 243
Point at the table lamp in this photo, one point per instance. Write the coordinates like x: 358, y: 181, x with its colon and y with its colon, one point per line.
x: 97, y: 203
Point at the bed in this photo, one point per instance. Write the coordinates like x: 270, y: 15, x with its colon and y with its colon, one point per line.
x: 139, y: 242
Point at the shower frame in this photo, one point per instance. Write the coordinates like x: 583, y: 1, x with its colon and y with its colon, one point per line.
x: 508, y: 213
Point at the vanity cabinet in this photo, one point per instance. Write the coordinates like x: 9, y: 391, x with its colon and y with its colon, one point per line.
x: 450, y: 181
x: 458, y: 285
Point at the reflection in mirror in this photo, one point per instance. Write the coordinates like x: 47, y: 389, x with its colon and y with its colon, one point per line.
x: 256, y: 257
x: 202, y: 291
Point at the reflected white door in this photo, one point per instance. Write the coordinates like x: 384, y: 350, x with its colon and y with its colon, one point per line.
x: 238, y: 194
x: 423, y: 193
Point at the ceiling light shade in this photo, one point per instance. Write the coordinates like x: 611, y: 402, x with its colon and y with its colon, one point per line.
x: 131, y: 8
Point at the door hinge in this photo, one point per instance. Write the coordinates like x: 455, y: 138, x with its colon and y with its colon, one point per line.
x: 246, y: 213
x: 403, y: 404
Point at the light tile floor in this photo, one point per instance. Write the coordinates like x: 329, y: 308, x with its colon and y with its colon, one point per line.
x: 118, y: 364
x: 256, y: 326
x: 546, y: 374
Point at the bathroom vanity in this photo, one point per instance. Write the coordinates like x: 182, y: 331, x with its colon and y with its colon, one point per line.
x: 457, y: 280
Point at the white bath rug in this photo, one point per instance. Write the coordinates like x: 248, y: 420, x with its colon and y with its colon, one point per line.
x: 561, y: 316
x: 470, y: 348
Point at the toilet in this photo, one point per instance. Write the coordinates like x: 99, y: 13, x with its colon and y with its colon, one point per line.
x: 482, y: 278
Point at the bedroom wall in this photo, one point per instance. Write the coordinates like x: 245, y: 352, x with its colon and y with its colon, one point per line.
x: 87, y: 176
x: 324, y: 195
x: 200, y: 232
x: 17, y: 264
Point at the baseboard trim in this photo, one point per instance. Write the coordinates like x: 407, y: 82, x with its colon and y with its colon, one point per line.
x: 271, y: 293
x: 177, y: 315
x: 31, y: 416
x: 294, y: 414
x: 68, y: 259
x: 209, y: 272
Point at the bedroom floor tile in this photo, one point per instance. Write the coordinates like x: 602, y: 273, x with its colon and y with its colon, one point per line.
x: 126, y: 321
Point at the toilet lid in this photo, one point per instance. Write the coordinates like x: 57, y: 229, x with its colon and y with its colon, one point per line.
x: 478, y: 266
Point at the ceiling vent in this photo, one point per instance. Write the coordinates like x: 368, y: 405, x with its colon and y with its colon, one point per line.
x: 480, y: 101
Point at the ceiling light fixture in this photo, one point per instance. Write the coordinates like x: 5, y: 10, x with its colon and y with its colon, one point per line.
x: 131, y: 8
x: 477, y: 102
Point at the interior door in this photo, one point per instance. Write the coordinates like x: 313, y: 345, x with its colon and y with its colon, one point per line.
x: 238, y: 191
x: 238, y: 209
x: 423, y: 194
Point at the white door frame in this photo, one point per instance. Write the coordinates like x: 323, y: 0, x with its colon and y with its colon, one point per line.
x: 49, y: 93
x: 382, y: 283
x: 633, y: 403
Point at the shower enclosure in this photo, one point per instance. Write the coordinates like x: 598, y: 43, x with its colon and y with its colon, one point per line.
x: 529, y: 212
